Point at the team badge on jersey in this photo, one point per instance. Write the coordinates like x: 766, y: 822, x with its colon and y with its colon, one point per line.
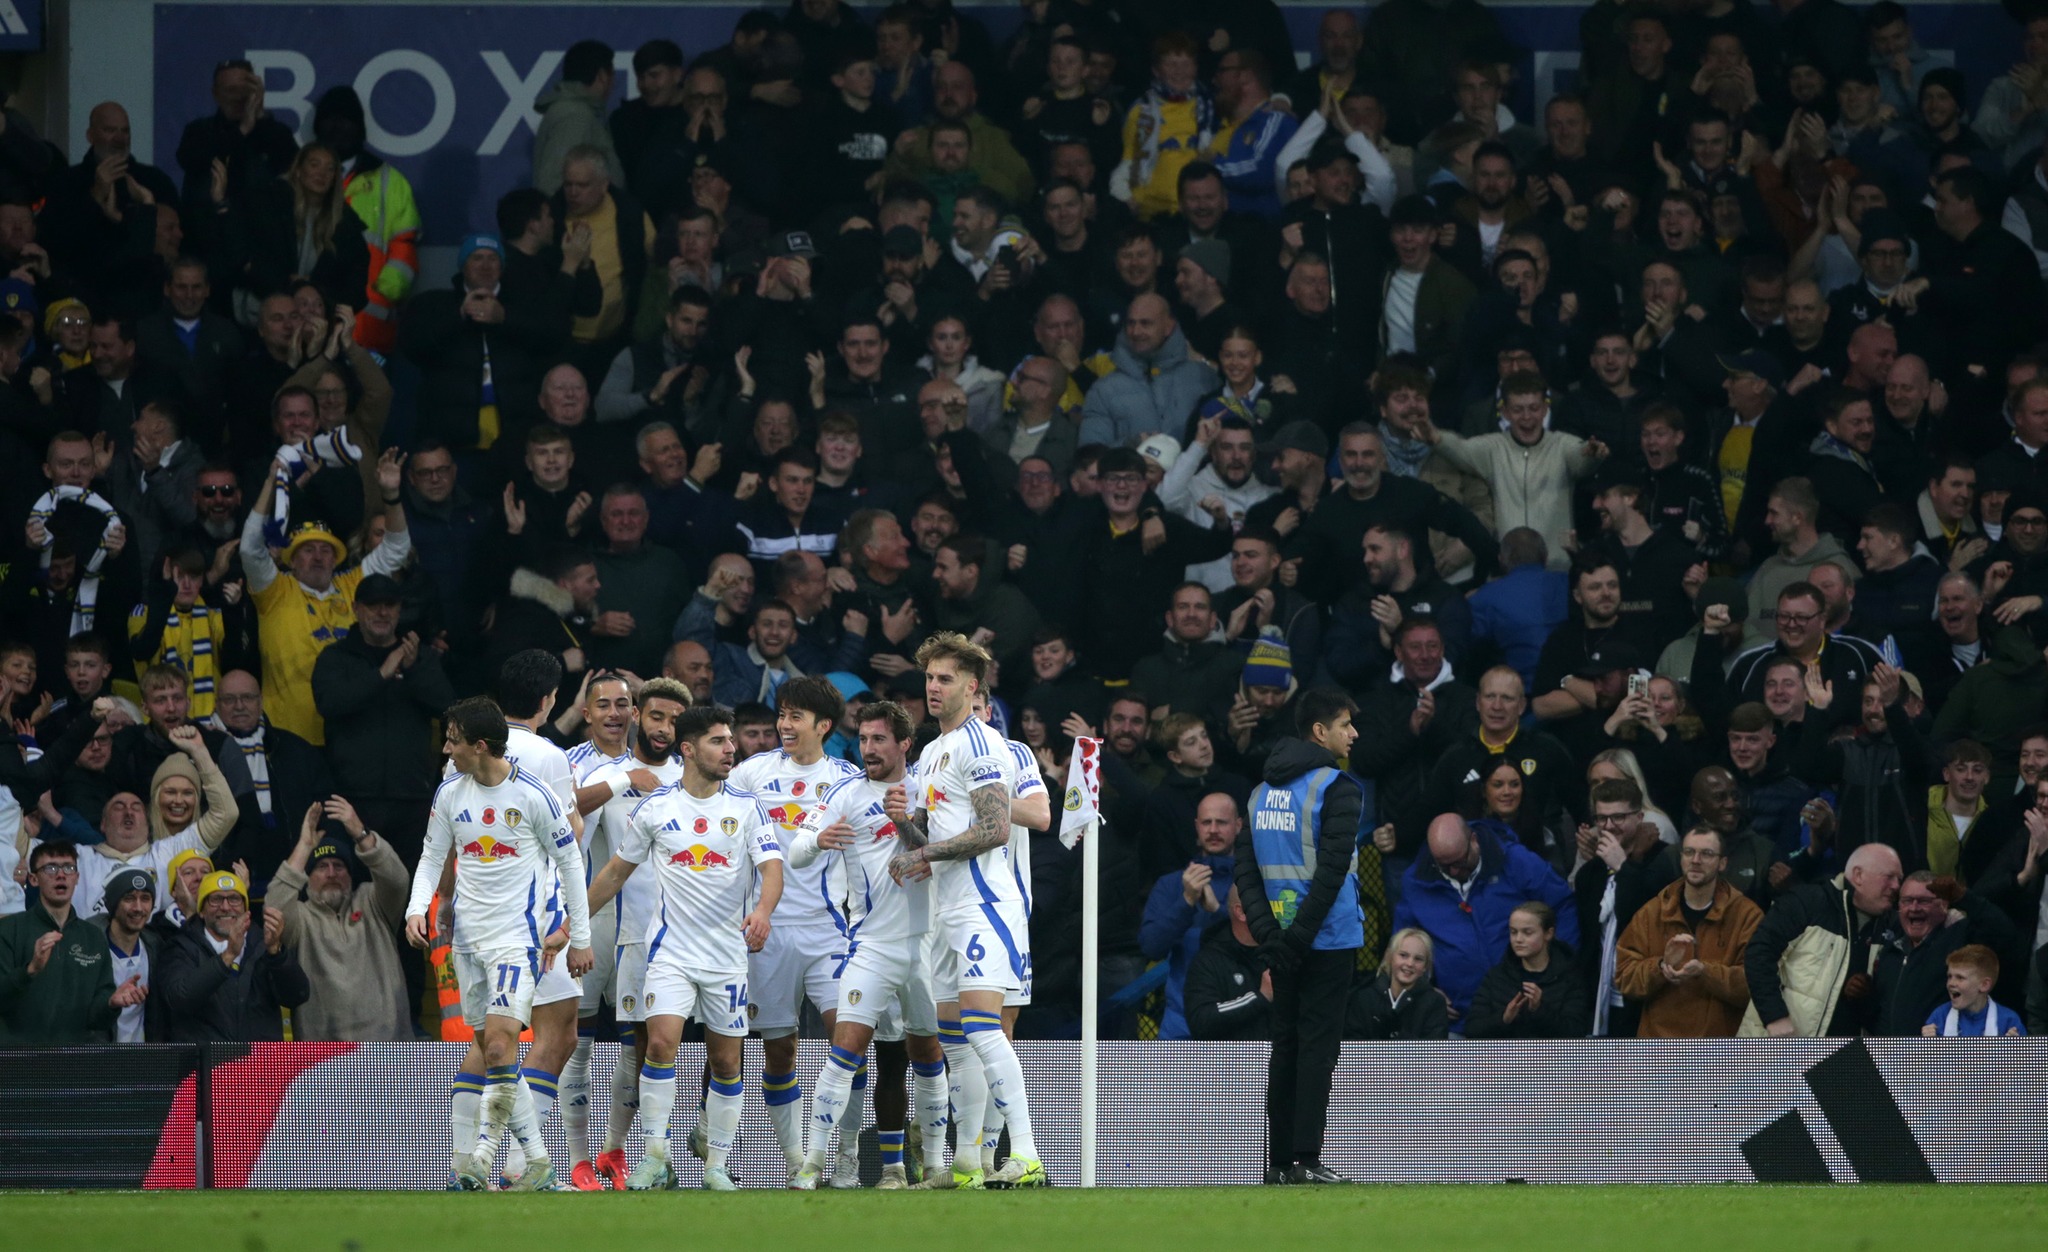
x: 853, y: 997
x: 512, y: 817
x: 626, y: 1003
x: 1529, y: 765
x: 729, y: 825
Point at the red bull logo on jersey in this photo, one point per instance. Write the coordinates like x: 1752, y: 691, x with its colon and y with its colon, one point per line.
x: 488, y: 851
x: 787, y: 816
x: 887, y: 831
x: 697, y: 857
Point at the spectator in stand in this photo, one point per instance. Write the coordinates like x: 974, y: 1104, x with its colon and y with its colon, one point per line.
x: 135, y: 938
x: 1681, y: 956
x: 1534, y: 992
x: 1402, y: 1001
x: 228, y: 975
x: 287, y: 773
x: 1529, y: 467
x: 51, y: 997
x: 1806, y: 961
x: 1183, y: 912
x: 241, y: 139
x: 1157, y: 382
x: 346, y: 934
x: 1461, y: 895
x: 572, y: 116
x: 1229, y: 991
x: 1518, y: 611
x: 1972, y: 972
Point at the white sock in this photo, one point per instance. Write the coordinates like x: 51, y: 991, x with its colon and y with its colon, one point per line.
x: 541, y: 1090
x: 465, y: 1101
x: 785, y: 1098
x: 625, y: 1097
x: 932, y: 1099
x: 829, y: 1099
x: 1005, y: 1078
x: 500, y: 1085
x: 991, y: 1134
x: 525, y: 1127
x: 721, y: 1121
x: 657, y: 1104
x: 576, y: 1101
x: 968, y: 1088
x: 850, y: 1121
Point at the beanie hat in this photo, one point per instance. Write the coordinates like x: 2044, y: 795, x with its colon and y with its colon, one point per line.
x: 1271, y: 663
x: 1162, y: 450
x: 222, y: 880
x: 477, y: 243
x: 176, y: 765
x: 125, y: 881
x: 178, y: 862
x: 1212, y: 256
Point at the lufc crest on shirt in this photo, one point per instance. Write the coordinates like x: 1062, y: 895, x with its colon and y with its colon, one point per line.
x: 512, y: 817
x: 1529, y: 766
x: 626, y: 1003
x: 853, y: 997
x: 729, y: 825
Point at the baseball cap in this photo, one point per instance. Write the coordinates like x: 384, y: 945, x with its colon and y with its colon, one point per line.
x: 379, y: 589
x: 1758, y: 362
x: 1299, y: 437
x: 1163, y: 450
x: 17, y: 296
x: 902, y: 242
x: 793, y: 243
x: 125, y: 881
x: 1725, y: 591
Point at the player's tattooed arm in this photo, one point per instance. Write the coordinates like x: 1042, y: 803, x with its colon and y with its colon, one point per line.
x: 989, y: 829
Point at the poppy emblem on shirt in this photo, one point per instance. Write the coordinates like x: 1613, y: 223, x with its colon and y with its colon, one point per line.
x: 798, y: 788
x: 700, y: 826
x: 490, y: 817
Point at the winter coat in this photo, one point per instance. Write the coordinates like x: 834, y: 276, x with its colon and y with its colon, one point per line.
x: 1145, y: 395
x: 1471, y: 932
x: 1801, y: 955
x: 205, y: 1001
x: 1707, y: 1007
x: 1995, y: 702
x: 1563, y: 1014
x: 356, y: 991
x: 379, y: 737
x: 1421, y: 1012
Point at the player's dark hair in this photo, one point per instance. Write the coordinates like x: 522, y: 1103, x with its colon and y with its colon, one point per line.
x: 478, y: 720
x: 1321, y: 706
x: 814, y: 695
x: 900, y: 725
x: 50, y: 850
x: 752, y: 713
x: 698, y: 720
x: 525, y: 681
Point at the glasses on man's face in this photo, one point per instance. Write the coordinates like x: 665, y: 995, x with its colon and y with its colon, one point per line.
x: 1796, y: 619
x: 1122, y: 480
x: 73, y: 323
x: 2027, y: 523
x: 58, y: 869
x: 1617, y: 819
x: 1699, y: 854
x: 433, y: 471
x: 218, y: 492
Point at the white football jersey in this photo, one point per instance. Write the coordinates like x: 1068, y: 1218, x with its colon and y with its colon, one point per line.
x: 856, y: 880
x: 641, y: 896
x: 587, y: 758
x: 787, y: 791
x: 970, y: 755
x: 547, y: 762
x: 702, y: 854
x: 511, y: 844
x: 1025, y: 781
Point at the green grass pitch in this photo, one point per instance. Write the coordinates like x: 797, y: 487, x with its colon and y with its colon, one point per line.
x: 1244, y: 1219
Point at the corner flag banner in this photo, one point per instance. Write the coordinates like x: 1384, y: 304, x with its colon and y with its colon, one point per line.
x: 1084, y: 793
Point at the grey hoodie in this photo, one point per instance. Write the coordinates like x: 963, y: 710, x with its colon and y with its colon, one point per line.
x: 568, y: 117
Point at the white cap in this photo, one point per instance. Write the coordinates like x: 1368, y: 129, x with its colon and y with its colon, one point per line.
x: 1162, y: 449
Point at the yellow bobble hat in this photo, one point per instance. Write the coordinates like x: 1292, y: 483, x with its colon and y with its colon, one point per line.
x: 178, y: 862
x: 222, y: 880
x: 57, y: 309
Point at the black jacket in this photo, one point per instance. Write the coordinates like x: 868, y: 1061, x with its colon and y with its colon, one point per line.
x: 1399, y: 761
x: 1911, y: 981
x: 1563, y: 1014
x: 379, y: 739
x: 261, y: 246
x: 1127, y: 587
x: 1221, y: 996
x: 1336, y: 846
x: 206, y: 1002
x: 1423, y: 1013
x: 450, y: 350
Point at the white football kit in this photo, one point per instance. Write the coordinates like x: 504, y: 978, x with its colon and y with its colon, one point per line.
x: 585, y: 759
x: 884, y: 964
x: 1026, y: 780
x: 638, y: 900
x: 702, y: 854
x: 974, y: 945
x: 513, y: 850
x: 807, y: 938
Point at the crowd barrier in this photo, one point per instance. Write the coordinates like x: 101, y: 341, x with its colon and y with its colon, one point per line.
x: 1172, y: 1114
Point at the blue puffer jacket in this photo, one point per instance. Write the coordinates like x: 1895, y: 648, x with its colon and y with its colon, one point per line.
x: 1471, y: 934
x: 1145, y: 395
x: 1173, y: 930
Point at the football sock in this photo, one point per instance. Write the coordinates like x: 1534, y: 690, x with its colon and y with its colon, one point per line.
x: 657, y: 1102
x: 969, y: 1090
x: 828, y: 1102
x: 785, y: 1100
x: 541, y: 1090
x: 465, y: 1098
x: 576, y: 1099
x: 1005, y: 1077
x: 721, y: 1120
x: 625, y: 1096
x: 850, y: 1120
x: 933, y: 1095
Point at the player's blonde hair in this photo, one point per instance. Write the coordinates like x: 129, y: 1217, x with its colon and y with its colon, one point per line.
x: 662, y: 689
x: 968, y: 656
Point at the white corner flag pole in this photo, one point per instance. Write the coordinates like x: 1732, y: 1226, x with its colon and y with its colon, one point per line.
x: 1083, y: 822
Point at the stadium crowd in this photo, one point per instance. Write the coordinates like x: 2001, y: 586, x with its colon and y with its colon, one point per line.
x: 1656, y: 484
